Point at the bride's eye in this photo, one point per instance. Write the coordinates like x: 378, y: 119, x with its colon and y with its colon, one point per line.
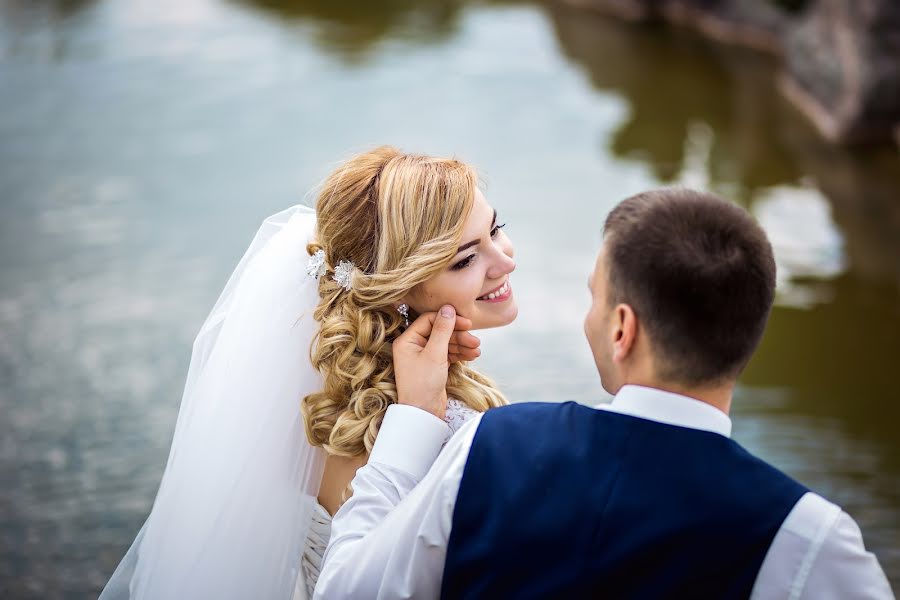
x: 463, y: 263
x: 497, y: 229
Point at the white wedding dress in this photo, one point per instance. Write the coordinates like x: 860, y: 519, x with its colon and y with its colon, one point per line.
x: 458, y: 414
x: 236, y: 514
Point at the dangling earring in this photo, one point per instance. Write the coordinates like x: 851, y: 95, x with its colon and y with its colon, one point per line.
x: 403, y: 309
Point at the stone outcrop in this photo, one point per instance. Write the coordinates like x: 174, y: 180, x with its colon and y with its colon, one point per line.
x: 754, y: 23
x: 840, y: 58
x: 691, y: 100
x: 842, y: 68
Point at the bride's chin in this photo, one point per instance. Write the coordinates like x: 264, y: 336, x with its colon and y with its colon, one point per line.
x: 497, y: 320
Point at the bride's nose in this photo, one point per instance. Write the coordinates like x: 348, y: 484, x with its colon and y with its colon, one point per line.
x: 502, y: 264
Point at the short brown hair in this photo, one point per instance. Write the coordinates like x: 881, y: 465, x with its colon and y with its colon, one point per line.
x: 700, y: 275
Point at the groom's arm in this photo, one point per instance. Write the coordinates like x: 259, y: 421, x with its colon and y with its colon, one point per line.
x: 382, y: 544
x: 818, y: 554
x: 407, y: 445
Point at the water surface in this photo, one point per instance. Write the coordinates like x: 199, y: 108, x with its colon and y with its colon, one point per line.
x: 143, y: 141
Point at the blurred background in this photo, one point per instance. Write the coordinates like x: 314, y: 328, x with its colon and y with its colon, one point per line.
x: 143, y: 141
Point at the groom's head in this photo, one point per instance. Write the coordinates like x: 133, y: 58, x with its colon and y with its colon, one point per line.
x: 681, y: 291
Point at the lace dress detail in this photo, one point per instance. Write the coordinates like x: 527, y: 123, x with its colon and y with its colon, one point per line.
x: 458, y: 414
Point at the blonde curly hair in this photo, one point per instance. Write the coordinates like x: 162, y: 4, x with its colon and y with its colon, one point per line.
x: 398, y: 218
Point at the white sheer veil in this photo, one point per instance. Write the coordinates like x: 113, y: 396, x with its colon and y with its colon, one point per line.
x: 235, y: 503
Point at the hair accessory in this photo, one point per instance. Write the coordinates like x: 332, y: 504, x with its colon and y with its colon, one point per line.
x: 403, y: 309
x: 316, y: 266
x: 343, y: 274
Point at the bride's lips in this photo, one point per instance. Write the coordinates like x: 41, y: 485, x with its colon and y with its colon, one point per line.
x: 499, y: 294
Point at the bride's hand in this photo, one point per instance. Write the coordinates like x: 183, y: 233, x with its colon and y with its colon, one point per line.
x: 422, y: 356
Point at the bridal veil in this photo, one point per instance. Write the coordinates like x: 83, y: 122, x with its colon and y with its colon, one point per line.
x: 235, y: 502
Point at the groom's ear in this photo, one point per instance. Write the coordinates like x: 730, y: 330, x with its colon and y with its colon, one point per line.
x: 624, y: 331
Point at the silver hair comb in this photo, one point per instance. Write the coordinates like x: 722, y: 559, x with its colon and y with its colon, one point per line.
x: 315, y: 268
x: 343, y: 274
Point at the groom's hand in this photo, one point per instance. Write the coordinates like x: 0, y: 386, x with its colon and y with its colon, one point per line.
x: 422, y: 358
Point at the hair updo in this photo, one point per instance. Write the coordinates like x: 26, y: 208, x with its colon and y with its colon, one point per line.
x: 398, y: 218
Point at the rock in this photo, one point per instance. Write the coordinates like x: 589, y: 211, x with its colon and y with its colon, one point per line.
x: 842, y: 68
x: 753, y: 23
x: 841, y: 58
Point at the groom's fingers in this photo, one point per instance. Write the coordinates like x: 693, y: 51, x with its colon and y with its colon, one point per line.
x: 465, y: 339
x: 461, y: 344
x: 458, y: 353
x: 462, y: 323
x: 419, y: 331
x: 439, y: 341
x: 457, y: 349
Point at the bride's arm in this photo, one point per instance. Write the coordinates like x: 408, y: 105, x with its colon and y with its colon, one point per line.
x: 382, y: 544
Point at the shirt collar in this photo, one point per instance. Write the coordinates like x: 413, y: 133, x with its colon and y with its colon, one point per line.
x: 668, y: 407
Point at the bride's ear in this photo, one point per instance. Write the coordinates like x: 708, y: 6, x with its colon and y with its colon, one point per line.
x: 402, y: 309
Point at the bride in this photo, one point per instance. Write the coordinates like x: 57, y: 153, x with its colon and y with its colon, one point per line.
x: 291, y: 373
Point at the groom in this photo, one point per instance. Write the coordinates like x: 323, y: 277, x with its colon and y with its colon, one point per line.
x: 645, y: 498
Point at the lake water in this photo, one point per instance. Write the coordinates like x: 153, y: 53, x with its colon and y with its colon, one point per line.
x: 143, y: 141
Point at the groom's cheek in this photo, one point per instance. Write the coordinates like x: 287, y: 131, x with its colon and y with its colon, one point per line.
x: 593, y: 334
x: 590, y: 325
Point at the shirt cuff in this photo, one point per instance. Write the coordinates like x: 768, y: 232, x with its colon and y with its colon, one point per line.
x: 410, y: 440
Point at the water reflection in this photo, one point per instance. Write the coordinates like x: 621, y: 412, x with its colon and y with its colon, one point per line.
x: 38, y: 29
x: 805, y: 254
x: 352, y: 29
x: 674, y: 80
x: 24, y: 13
x: 839, y: 358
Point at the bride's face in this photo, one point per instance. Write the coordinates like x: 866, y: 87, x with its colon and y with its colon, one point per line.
x: 476, y: 283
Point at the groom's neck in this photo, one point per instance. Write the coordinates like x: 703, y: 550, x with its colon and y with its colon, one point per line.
x: 718, y: 396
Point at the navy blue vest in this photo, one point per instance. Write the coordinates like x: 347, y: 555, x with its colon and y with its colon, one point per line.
x: 567, y: 501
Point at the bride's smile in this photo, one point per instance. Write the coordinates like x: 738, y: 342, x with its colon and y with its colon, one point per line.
x: 477, y: 280
x: 501, y: 294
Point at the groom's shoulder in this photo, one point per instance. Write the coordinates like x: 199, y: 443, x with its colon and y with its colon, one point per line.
x: 513, y: 429
x: 533, y: 414
x: 537, y: 408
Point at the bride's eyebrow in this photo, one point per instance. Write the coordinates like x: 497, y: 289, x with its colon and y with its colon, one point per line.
x: 476, y: 242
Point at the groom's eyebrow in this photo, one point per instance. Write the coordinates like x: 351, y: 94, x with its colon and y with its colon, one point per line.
x: 476, y: 242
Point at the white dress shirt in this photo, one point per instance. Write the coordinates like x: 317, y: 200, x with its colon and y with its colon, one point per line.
x: 390, y: 541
